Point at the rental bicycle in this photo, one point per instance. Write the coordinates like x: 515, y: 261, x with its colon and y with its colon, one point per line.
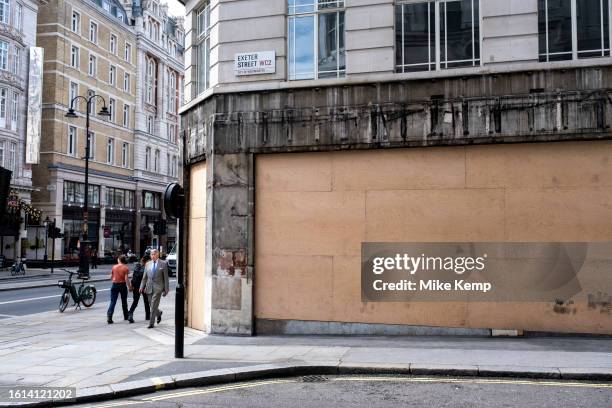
x: 19, y: 267
x: 84, y: 294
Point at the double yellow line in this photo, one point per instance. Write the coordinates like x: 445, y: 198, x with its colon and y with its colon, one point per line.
x: 212, y: 390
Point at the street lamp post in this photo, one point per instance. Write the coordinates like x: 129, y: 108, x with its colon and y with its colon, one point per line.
x: 83, y: 257
x: 47, y: 221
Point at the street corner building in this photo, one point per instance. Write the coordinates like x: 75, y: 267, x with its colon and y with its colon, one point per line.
x: 312, y: 127
x: 130, y: 53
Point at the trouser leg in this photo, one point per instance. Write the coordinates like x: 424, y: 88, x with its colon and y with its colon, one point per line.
x: 145, y: 298
x: 155, y: 298
x: 114, y: 294
x: 136, y: 297
x: 124, y: 302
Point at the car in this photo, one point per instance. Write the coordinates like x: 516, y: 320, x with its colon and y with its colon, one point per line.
x: 171, y: 261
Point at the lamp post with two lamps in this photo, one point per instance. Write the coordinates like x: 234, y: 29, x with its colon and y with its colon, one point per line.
x: 83, y: 256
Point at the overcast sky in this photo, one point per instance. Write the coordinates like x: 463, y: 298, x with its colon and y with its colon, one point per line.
x: 175, y: 8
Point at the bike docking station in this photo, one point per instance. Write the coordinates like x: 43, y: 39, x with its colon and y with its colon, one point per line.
x: 174, y: 205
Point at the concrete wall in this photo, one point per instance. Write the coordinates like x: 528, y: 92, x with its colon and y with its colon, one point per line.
x: 313, y: 210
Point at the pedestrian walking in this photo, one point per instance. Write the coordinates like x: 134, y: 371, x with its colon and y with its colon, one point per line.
x: 94, y: 259
x: 139, y: 270
x: 155, y: 283
x: 121, y: 283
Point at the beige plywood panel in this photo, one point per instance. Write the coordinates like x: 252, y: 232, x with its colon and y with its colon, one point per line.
x: 197, y: 247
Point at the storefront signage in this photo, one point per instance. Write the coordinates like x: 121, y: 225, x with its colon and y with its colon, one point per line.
x: 254, y: 63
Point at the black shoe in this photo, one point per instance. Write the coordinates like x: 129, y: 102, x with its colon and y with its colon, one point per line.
x: 159, y: 317
x: 150, y: 326
x: 131, y: 320
x: 109, y: 321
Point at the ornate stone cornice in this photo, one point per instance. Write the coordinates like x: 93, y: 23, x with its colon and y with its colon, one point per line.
x: 11, y: 32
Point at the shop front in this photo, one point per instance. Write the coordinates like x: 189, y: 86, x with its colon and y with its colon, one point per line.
x: 118, y: 232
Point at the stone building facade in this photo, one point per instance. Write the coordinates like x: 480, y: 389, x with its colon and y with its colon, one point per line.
x: 159, y: 57
x: 93, y: 47
x: 17, y: 36
x: 389, y: 121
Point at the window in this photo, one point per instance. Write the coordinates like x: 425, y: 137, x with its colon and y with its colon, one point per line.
x: 150, y: 81
x: 156, y: 164
x: 5, y: 11
x: 2, y: 153
x: 126, y: 115
x: 3, y: 97
x: 4, y: 50
x: 93, y: 32
x: 174, y: 166
x: 118, y: 197
x: 106, y: 5
x: 112, y: 75
x: 437, y: 35
x: 18, y: 16
x: 172, y: 92
x: 566, y: 34
x: 12, y: 158
x: 203, y: 48
x: 74, y: 57
x: 128, y: 52
x: 168, y: 165
x: 171, y: 133
x: 74, y: 92
x: 151, y: 200
x: 111, y: 109
x: 126, y: 82
x: 16, y: 60
x: 316, y: 39
x: 91, y: 145
x: 110, y: 151
x: 148, y: 158
x: 14, y: 111
x: 92, y: 104
x: 76, y: 22
x: 75, y: 193
x: 125, y: 150
x: 72, y: 141
x: 92, y: 65
x: 113, y: 44
x: 150, y: 124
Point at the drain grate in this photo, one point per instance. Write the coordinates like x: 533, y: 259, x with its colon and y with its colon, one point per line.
x: 314, y: 378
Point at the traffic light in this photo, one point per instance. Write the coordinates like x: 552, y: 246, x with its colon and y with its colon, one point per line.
x: 54, y: 232
x: 159, y: 227
x: 156, y: 228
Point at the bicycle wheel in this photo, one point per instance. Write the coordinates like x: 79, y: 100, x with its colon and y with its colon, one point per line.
x: 64, y: 301
x: 88, y: 296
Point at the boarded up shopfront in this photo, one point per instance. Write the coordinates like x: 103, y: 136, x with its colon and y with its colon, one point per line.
x: 287, y: 184
x: 313, y: 211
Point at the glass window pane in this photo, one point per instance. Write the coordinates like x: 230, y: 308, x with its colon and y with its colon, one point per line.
x: 301, y: 6
x: 398, y: 36
x: 301, y: 48
x: 328, y: 44
x: 456, y: 33
x: 590, y: 27
x: 419, y: 36
x: 342, y: 47
x: 327, y: 4
x: 559, y: 28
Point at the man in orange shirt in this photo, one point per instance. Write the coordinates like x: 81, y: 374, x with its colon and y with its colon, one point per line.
x: 121, y: 284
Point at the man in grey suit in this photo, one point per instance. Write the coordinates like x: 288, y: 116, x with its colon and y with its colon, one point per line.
x: 155, y: 284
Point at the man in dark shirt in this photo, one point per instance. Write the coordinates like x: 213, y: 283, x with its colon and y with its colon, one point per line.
x: 136, y: 280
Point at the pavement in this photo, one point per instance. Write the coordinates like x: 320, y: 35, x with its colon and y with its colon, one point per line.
x: 40, y: 278
x: 78, y: 349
